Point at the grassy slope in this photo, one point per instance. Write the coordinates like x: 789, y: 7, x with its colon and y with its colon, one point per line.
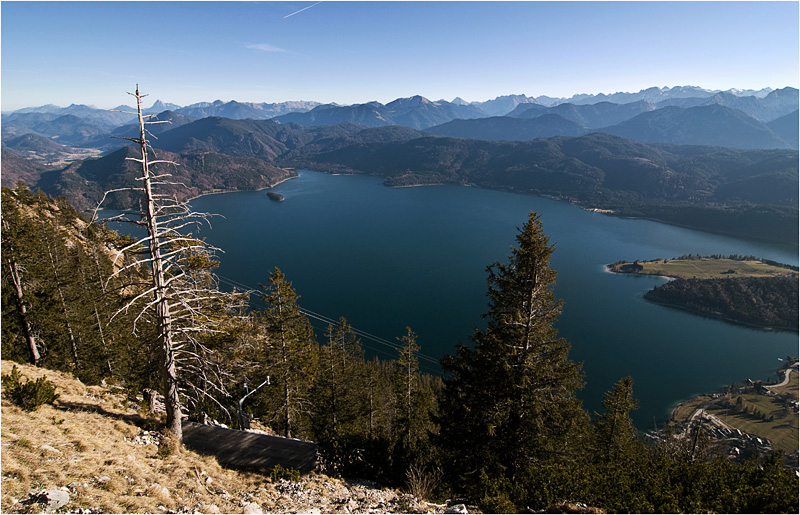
x: 708, y: 268
x: 102, y: 458
x: 94, y: 433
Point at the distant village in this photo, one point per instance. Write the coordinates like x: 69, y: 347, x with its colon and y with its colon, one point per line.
x: 704, y: 432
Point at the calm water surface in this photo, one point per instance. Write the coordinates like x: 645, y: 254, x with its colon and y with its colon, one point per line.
x: 388, y: 258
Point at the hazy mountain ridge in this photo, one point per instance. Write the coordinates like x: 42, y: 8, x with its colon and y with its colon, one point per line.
x: 712, y: 124
x: 107, y: 117
x: 653, y: 94
x: 471, y: 121
x: 774, y: 105
x: 502, y: 105
x: 591, y: 116
x: 242, y: 110
x: 786, y: 127
x: 416, y: 112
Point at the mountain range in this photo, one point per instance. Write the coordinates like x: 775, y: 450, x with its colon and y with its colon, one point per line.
x: 696, y: 161
x: 668, y: 115
x: 416, y: 112
x: 712, y: 124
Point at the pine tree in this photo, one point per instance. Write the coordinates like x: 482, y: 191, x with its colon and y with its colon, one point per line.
x: 415, y: 406
x: 407, y: 384
x: 291, y: 356
x: 19, y: 246
x: 510, y: 402
x: 616, y: 436
x: 338, y: 392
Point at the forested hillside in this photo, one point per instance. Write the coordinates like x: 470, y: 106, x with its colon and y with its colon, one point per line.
x: 503, y: 429
x: 761, y: 301
x: 743, y: 193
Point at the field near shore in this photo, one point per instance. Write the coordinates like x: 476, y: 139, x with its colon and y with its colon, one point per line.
x: 704, y: 268
x: 782, y: 430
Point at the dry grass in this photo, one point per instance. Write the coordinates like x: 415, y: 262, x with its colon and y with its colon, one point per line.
x: 97, y: 455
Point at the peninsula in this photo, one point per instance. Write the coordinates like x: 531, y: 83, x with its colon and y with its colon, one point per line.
x: 741, y: 289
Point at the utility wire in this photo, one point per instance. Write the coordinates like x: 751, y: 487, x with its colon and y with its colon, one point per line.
x: 429, y: 364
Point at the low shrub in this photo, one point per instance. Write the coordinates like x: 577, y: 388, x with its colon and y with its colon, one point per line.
x: 28, y: 394
x: 289, y: 474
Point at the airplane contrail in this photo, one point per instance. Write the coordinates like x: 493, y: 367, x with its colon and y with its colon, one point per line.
x: 303, y: 9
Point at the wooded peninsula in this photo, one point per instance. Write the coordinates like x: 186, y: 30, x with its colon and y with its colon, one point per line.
x: 741, y: 289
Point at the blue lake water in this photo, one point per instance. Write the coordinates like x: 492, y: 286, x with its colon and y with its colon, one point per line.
x: 387, y: 258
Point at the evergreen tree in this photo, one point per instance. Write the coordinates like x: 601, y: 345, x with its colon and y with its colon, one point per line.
x: 20, y: 249
x: 616, y: 438
x: 62, y: 267
x: 291, y: 356
x: 415, y: 407
x: 338, y: 393
x: 509, y: 403
x: 407, y: 386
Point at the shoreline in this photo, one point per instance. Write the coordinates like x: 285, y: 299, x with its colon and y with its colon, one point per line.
x: 234, y: 191
x: 585, y: 206
x: 217, y: 192
x: 723, y: 318
x: 608, y: 269
x: 786, y: 371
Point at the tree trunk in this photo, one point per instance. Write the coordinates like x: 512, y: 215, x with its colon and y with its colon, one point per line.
x: 30, y: 338
x: 163, y: 317
x: 64, y: 310
x: 287, y: 419
x: 99, y: 323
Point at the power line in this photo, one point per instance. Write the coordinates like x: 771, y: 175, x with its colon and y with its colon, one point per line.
x: 430, y: 362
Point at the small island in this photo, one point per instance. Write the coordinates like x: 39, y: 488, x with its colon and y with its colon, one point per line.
x: 741, y: 289
x: 277, y: 197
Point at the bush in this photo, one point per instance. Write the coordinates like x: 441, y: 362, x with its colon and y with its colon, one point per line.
x: 289, y: 474
x: 29, y: 394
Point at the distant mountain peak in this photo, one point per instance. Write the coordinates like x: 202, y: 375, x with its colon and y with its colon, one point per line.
x: 408, y: 103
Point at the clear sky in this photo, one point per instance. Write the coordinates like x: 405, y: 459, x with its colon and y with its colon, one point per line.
x: 353, y: 52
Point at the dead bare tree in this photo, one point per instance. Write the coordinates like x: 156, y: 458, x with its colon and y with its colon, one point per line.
x: 16, y: 274
x: 181, y: 297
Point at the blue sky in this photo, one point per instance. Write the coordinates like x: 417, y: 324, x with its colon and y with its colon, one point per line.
x: 353, y: 52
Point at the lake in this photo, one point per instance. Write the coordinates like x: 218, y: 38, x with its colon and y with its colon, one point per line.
x: 387, y: 258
